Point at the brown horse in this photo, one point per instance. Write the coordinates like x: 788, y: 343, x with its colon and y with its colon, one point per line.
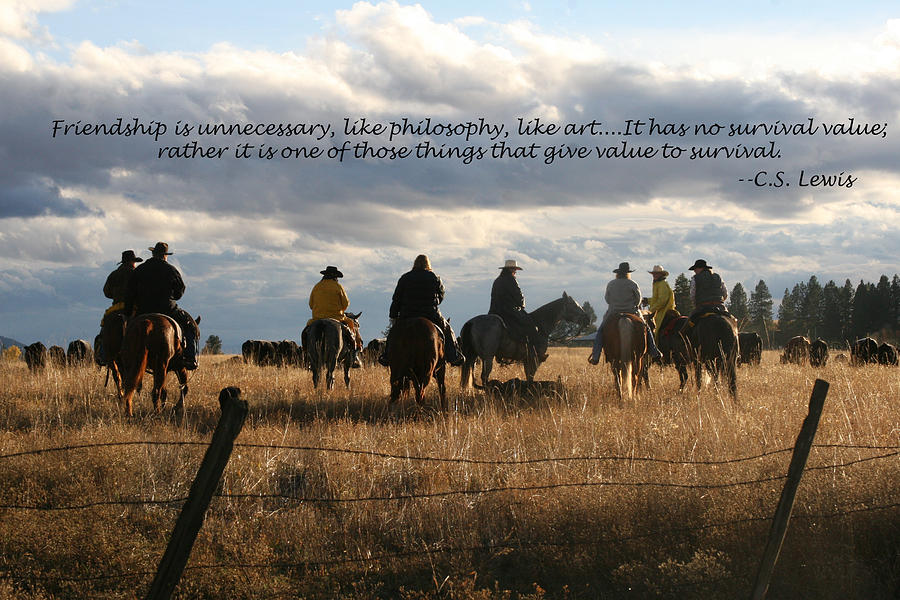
x: 416, y: 355
x: 152, y: 342
x: 624, y: 345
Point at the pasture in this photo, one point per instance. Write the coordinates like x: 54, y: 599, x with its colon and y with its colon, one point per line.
x: 339, y: 494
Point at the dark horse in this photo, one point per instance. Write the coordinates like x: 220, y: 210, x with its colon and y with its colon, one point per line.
x: 624, y: 345
x: 675, y: 346
x: 714, y: 338
x: 487, y: 338
x: 112, y: 332
x: 327, y: 343
x: 417, y: 355
x: 152, y: 342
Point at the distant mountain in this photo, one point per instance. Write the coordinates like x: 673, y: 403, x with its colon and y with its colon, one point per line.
x: 6, y: 342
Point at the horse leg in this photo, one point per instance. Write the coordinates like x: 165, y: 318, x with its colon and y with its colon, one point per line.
x: 487, y: 365
x: 134, y: 377
x: 159, y: 387
x: 442, y: 390
x: 181, y: 373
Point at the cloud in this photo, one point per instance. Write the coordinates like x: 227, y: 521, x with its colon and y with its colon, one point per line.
x: 18, y: 18
x: 253, y: 232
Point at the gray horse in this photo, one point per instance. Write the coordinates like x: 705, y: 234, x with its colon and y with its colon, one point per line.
x: 326, y: 344
x: 487, y: 338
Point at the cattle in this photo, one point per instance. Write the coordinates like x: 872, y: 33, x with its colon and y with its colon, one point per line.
x: 36, y: 356
x: 887, y: 355
x: 750, y: 345
x: 818, y: 353
x: 56, y: 356
x: 79, y: 353
x: 373, y: 350
x: 258, y: 352
x: 796, y: 351
x: 864, y: 351
x: 288, y: 354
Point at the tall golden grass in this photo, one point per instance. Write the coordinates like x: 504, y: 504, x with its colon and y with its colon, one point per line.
x: 357, y: 514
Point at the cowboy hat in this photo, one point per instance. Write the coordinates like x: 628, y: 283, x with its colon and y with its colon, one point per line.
x: 511, y: 264
x: 624, y: 268
x: 129, y: 255
x: 658, y: 270
x: 160, y: 248
x: 700, y: 264
x: 331, y: 271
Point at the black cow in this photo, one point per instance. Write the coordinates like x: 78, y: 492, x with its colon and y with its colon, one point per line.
x: 56, y: 356
x: 796, y: 350
x: 79, y: 353
x: 887, y: 355
x: 818, y: 353
x: 373, y: 350
x: 750, y: 345
x: 258, y: 352
x: 864, y: 351
x: 288, y: 354
x: 36, y: 356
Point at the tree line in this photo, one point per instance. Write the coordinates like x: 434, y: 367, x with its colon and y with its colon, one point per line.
x: 837, y: 314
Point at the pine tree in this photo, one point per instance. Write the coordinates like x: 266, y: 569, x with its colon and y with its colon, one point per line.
x: 881, y: 304
x: 845, y: 305
x: 213, y: 345
x: 759, y: 311
x: 787, y: 315
x: 812, y: 309
x: 862, y: 320
x: 682, y: 291
x: 737, y: 304
x: 832, y: 326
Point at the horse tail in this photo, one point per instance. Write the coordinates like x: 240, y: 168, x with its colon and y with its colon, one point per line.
x: 626, y: 349
x: 468, y: 350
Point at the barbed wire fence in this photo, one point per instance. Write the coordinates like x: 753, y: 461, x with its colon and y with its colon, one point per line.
x: 880, y: 453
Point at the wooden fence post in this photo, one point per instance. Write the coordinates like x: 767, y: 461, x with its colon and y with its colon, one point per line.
x: 786, y: 504
x: 234, y: 411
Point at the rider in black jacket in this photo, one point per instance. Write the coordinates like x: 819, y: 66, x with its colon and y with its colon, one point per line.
x: 418, y: 294
x: 153, y: 288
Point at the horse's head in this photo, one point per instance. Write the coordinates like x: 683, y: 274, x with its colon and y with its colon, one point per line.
x: 573, y: 312
x: 354, y: 317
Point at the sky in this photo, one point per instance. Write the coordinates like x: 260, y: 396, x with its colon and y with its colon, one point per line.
x: 250, y: 234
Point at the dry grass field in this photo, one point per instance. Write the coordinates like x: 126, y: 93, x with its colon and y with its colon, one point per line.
x: 342, y: 495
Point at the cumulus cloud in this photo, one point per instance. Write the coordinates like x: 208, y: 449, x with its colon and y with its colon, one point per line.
x: 237, y: 222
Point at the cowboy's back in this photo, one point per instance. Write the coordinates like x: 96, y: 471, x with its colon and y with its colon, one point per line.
x: 154, y: 287
x: 622, y: 295
x: 418, y: 294
x: 506, y: 295
x: 328, y: 300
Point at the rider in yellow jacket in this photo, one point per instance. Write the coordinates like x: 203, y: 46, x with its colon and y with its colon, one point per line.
x: 328, y: 300
x: 663, y: 298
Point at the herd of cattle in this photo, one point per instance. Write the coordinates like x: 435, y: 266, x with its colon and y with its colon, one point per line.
x: 38, y: 356
x: 798, y: 350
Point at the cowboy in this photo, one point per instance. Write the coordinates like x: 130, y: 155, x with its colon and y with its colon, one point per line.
x: 328, y: 300
x: 623, y: 295
x: 708, y: 291
x: 115, y: 288
x: 663, y: 298
x: 154, y: 287
x: 508, y: 302
x: 418, y: 294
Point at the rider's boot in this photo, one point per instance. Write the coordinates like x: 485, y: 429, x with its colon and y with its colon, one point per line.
x: 191, y: 349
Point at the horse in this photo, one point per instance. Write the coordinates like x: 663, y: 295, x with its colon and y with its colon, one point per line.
x: 714, y: 338
x: 327, y: 343
x: 417, y: 355
x: 486, y: 337
x: 624, y: 345
x: 112, y: 332
x: 153, y: 342
x: 674, y: 345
